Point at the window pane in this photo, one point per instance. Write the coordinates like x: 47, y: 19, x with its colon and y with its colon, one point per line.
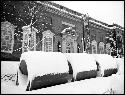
x: 7, y: 37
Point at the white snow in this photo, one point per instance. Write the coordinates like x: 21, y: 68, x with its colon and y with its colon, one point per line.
x: 9, y: 67
x: 117, y: 83
x: 10, y: 88
x: 97, y: 85
x: 80, y: 87
x: 42, y: 63
x: 45, y: 62
x: 106, y: 61
x: 81, y: 62
x: 120, y: 65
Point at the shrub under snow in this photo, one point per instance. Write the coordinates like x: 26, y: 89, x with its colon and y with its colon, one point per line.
x: 41, y: 63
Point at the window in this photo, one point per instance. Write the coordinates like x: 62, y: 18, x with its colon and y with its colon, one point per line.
x: 47, y: 45
x: 108, y: 48
x: 7, y: 37
x: 94, y: 47
x: 101, y: 47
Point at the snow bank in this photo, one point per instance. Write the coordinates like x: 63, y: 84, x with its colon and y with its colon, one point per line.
x: 9, y: 88
x: 87, y: 86
x: 9, y: 67
x: 78, y: 87
x: 81, y: 62
x: 41, y: 63
x: 103, y: 86
x: 120, y: 65
x: 117, y: 83
x: 9, y: 70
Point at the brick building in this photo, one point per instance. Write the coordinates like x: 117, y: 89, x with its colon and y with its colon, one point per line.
x: 49, y: 27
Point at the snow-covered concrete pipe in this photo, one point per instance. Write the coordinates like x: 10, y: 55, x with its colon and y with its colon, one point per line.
x: 41, y: 63
x: 106, y: 62
x: 81, y: 62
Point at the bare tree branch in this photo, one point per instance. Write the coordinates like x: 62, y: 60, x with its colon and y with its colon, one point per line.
x: 23, y: 21
x: 34, y: 22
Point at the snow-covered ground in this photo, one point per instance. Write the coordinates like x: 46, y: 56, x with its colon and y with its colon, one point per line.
x: 9, y: 67
x: 97, y: 85
x: 120, y: 65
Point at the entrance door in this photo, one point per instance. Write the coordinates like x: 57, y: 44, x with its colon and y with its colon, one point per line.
x: 69, y: 45
x: 94, y: 47
x: 47, y: 44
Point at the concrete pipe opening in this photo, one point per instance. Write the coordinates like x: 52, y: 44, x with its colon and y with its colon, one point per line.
x: 23, y: 67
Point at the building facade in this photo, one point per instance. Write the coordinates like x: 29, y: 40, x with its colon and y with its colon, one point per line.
x: 47, y: 26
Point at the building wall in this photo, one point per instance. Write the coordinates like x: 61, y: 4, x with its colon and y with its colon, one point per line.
x: 120, y: 40
x: 98, y: 34
x: 57, y: 29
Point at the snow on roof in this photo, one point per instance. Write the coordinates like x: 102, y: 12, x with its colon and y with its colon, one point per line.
x: 100, y: 24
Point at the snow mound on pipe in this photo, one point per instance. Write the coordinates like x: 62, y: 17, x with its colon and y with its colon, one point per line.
x: 105, y: 61
x: 42, y: 63
x: 45, y: 62
x: 81, y: 61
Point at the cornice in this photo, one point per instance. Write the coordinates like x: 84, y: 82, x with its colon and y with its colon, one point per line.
x: 64, y: 12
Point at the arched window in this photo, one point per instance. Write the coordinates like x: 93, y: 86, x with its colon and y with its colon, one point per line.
x: 47, y: 44
x: 7, y: 37
x: 108, y: 48
x: 101, y: 47
x: 94, y: 47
